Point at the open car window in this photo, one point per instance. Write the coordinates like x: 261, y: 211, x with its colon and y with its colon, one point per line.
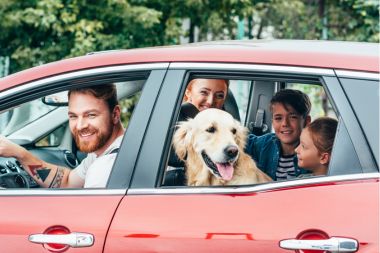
x: 128, y: 95
x: 251, y: 99
x: 41, y: 126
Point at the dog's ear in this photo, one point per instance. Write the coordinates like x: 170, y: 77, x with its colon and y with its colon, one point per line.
x: 241, y: 135
x: 182, y: 138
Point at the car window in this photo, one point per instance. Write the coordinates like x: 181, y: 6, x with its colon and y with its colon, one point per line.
x: 16, y: 118
x: 128, y: 99
x: 53, y: 139
x: 42, y: 127
x: 321, y: 105
x: 358, y: 91
x: 252, y: 98
x: 240, y: 90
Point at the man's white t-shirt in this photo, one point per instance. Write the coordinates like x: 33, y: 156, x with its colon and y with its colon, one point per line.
x: 95, y: 170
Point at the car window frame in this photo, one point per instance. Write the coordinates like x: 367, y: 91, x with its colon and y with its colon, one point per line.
x: 367, y: 114
x: 355, y: 133
x: 49, y: 85
x: 149, y: 172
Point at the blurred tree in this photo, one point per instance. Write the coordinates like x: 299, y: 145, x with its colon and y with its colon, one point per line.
x: 353, y: 20
x: 127, y: 107
x: 213, y: 19
x: 39, y: 31
x: 34, y: 32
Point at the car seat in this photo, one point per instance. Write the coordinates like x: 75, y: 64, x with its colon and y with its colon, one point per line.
x: 230, y: 105
x: 175, y: 175
x: 186, y: 112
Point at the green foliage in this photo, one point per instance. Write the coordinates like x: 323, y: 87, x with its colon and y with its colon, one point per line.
x: 127, y: 106
x: 291, y: 19
x: 34, y: 32
x: 358, y: 20
x: 353, y: 20
x: 317, y: 97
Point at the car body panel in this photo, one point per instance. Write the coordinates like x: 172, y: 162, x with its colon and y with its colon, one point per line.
x: 245, y: 222
x: 26, y: 215
x: 319, y: 54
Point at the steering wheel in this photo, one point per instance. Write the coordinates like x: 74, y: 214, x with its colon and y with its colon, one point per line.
x: 14, y: 180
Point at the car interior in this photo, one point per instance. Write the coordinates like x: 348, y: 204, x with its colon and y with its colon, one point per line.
x: 247, y: 101
x: 41, y: 126
x: 252, y: 111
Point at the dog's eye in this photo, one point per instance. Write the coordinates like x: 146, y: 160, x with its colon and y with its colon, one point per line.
x: 211, y: 129
x: 233, y: 130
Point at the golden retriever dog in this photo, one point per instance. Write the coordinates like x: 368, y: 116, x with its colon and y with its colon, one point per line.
x: 212, y: 147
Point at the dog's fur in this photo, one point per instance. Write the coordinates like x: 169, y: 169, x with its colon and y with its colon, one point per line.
x: 211, y: 133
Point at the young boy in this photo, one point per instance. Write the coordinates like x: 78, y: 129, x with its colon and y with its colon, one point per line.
x: 274, y: 152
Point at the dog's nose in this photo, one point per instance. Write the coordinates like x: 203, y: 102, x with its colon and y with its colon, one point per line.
x: 231, y: 151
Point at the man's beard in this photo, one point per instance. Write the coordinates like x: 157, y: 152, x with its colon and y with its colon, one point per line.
x: 100, y: 140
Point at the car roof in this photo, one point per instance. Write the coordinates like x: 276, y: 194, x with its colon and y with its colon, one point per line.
x: 358, y: 56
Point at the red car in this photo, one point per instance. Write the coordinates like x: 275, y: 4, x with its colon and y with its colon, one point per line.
x: 138, y: 211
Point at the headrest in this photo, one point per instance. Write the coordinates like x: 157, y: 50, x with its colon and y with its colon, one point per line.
x: 231, y: 106
x: 188, y: 110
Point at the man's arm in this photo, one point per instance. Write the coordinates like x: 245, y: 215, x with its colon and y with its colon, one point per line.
x: 45, y: 174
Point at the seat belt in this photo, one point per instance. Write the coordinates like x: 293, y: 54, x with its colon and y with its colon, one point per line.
x: 258, y: 127
x: 259, y: 118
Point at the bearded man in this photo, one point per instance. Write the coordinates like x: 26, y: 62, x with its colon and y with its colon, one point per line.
x: 94, y: 119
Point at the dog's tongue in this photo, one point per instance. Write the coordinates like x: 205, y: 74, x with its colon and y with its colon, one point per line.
x: 225, y: 170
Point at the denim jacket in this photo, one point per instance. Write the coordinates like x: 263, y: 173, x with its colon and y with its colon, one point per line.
x: 265, y: 150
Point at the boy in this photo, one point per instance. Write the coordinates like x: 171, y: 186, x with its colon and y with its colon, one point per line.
x: 274, y: 153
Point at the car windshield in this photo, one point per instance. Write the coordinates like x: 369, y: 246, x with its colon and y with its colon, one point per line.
x: 16, y: 118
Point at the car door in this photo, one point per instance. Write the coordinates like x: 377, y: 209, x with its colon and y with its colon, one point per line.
x: 75, y: 220
x: 336, y: 212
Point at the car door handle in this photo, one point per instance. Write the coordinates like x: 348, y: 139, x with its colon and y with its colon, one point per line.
x: 335, y: 244
x: 75, y: 240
